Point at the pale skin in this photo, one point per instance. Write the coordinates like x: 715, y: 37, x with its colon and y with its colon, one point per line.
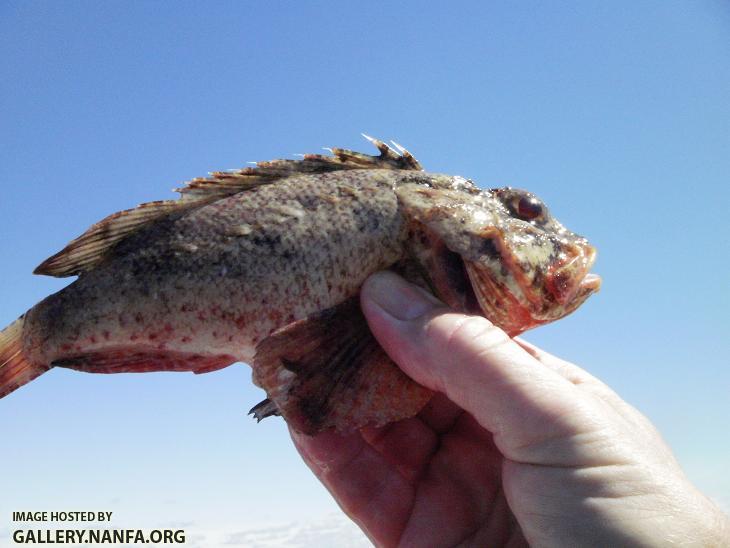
x: 517, y: 448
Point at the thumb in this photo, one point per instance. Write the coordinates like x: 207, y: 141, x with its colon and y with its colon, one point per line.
x: 473, y: 362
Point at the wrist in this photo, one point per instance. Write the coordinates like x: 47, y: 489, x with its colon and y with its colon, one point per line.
x: 707, y: 525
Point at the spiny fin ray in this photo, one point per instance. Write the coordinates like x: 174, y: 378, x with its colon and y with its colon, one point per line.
x: 92, y: 247
x: 89, y: 249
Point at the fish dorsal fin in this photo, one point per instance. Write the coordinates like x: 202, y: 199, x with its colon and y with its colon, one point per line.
x: 225, y: 183
x: 89, y: 249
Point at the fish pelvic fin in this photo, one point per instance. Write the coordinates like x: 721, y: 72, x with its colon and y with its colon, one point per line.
x: 328, y: 372
x: 15, y: 368
x: 264, y: 409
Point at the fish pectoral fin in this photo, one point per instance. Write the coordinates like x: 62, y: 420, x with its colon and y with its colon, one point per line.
x: 328, y: 372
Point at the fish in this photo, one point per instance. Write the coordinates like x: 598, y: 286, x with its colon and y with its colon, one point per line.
x: 264, y: 265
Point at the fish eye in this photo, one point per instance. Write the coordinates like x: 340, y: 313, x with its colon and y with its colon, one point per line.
x: 529, y: 208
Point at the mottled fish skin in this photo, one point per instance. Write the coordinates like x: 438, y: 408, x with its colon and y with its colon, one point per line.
x: 524, y: 267
x: 264, y: 265
x: 220, y: 278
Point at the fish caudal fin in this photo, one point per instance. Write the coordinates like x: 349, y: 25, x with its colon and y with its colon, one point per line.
x: 15, y: 369
x: 328, y: 372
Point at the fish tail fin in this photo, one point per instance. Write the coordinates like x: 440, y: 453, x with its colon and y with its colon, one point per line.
x: 15, y: 368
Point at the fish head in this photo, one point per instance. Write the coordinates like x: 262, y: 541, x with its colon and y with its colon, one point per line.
x: 498, y: 253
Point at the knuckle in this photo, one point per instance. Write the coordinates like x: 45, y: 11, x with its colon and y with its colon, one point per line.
x: 465, y: 336
x: 477, y: 334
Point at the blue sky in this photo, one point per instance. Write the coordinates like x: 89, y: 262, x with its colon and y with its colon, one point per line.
x: 616, y: 114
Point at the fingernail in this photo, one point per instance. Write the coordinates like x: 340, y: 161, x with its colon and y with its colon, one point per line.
x: 397, y: 297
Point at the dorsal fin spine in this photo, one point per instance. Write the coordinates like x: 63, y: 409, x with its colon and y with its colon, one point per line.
x: 88, y: 250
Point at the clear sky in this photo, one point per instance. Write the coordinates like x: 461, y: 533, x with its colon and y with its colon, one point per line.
x: 616, y: 114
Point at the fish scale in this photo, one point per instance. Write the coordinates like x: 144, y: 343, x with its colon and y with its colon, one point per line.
x: 264, y: 265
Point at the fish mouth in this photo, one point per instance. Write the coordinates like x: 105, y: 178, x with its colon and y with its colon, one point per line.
x: 571, y: 280
x: 517, y: 306
x: 473, y: 288
x: 591, y: 282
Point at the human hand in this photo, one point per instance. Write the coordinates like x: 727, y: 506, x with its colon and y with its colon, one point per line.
x: 518, y: 446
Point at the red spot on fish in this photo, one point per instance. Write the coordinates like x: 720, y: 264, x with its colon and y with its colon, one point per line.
x: 215, y: 334
x: 106, y: 335
x: 201, y: 316
x: 66, y: 347
x: 92, y: 339
x: 138, y: 317
x: 152, y: 336
x: 240, y: 322
x: 168, y: 328
x: 560, y: 284
x: 134, y: 337
x: 186, y: 339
